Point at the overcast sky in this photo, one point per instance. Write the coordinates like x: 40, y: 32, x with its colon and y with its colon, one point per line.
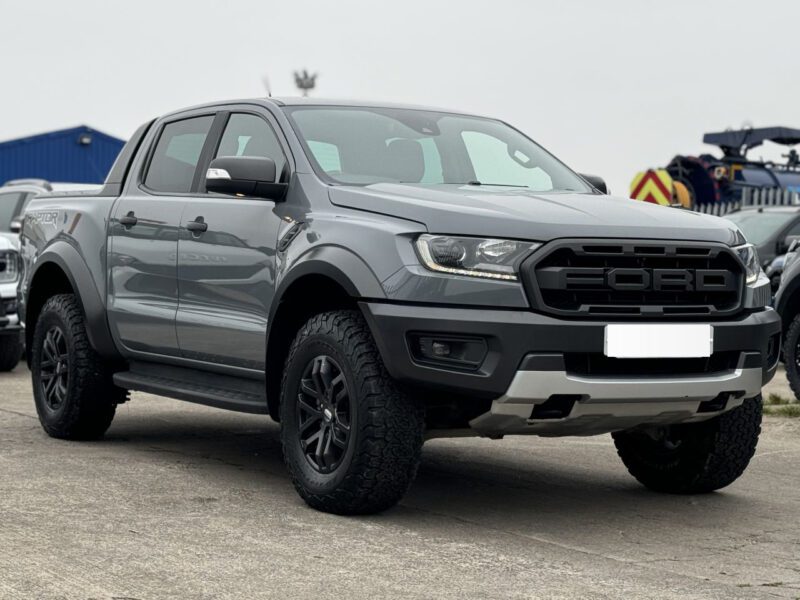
x: 611, y: 87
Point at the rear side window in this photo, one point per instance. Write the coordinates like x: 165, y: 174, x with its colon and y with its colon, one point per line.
x: 9, y: 208
x: 250, y: 135
x: 176, y: 155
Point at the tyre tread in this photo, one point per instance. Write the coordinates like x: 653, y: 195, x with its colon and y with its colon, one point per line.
x: 93, y: 398
x: 718, y: 453
x: 385, y: 463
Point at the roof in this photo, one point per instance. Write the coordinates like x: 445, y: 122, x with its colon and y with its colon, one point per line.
x: 732, y: 142
x: 300, y: 101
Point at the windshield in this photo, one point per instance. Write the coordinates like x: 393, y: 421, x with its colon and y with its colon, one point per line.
x: 375, y: 145
x: 9, y: 208
x: 757, y: 226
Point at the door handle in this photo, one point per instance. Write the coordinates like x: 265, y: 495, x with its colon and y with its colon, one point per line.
x: 128, y: 220
x: 197, y: 226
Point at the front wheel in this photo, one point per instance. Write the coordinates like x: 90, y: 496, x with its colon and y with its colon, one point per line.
x: 693, y: 458
x: 351, y: 438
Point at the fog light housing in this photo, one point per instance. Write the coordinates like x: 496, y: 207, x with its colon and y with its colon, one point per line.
x: 455, y: 352
x: 773, y: 350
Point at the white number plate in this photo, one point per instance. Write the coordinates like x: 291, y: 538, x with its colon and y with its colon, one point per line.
x: 662, y: 340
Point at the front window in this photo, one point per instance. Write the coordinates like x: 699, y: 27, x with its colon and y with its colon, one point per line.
x: 758, y: 226
x: 362, y: 146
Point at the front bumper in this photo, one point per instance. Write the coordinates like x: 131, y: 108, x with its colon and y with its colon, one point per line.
x: 9, y: 321
x: 526, y: 365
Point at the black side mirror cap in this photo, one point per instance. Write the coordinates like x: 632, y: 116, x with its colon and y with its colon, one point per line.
x: 253, y: 176
x: 16, y: 225
x: 596, y: 182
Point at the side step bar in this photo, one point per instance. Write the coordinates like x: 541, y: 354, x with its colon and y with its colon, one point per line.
x: 201, y: 387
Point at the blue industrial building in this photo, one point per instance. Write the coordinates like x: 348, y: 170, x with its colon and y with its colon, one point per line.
x: 79, y: 155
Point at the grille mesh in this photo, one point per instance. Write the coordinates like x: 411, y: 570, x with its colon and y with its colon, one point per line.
x: 581, y: 278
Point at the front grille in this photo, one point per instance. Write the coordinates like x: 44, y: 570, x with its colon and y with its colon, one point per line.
x: 599, y: 364
x: 634, y: 279
x: 8, y: 267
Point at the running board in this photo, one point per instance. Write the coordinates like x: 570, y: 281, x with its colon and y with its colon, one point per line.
x: 201, y: 387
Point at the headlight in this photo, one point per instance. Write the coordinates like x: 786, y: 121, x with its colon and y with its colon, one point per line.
x: 474, y: 257
x: 9, y: 263
x: 749, y: 256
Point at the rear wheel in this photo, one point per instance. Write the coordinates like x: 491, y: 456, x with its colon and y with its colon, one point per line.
x: 10, y: 352
x: 351, y: 438
x: 693, y: 458
x: 75, y: 397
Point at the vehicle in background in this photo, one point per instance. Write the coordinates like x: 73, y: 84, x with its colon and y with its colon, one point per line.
x: 372, y: 275
x: 787, y: 303
x: 719, y: 185
x: 771, y: 229
x: 16, y: 194
x: 10, y: 329
x: 14, y: 197
x: 774, y: 271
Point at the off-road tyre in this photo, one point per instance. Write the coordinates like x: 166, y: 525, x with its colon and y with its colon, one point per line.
x: 89, y: 398
x: 386, y: 427
x: 694, y: 458
x: 791, y: 355
x: 10, y: 353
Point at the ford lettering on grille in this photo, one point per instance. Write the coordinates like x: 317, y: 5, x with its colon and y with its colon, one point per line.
x: 712, y: 280
x: 587, y: 278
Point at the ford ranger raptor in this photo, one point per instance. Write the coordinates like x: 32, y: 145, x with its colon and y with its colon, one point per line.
x: 371, y: 276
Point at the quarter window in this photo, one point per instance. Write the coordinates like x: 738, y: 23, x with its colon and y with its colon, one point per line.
x: 250, y: 135
x: 176, y: 155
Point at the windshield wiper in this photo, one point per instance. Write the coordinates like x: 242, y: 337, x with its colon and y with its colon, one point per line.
x: 494, y: 184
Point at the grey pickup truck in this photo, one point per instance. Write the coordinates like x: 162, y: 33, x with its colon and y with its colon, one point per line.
x: 372, y: 276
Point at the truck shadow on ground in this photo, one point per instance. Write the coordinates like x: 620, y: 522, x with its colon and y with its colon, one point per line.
x: 470, y: 480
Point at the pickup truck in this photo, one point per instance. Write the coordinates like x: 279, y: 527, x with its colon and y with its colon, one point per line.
x: 10, y: 331
x: 372, y: 276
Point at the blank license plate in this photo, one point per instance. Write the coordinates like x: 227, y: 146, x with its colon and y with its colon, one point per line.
x: 662, y: 340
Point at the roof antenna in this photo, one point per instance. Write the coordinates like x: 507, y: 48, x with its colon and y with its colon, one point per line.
x: 267, y: 86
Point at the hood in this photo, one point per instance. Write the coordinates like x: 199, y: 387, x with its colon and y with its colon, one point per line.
x: 9, y: 241
x: 516, y: 213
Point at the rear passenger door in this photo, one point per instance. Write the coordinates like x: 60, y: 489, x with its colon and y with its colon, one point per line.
x: 226, y: 275
x: 143, y: 244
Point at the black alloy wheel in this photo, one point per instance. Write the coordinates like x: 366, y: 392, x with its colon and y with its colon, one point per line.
x: 54, y: 369
x: 324, y: 414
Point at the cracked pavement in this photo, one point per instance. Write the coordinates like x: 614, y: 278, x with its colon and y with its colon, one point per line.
x: 182, y: 501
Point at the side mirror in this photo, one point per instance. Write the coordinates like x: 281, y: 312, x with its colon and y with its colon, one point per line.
x: 16, y: 225
x: 597, y: 182
x: 786, y: 244
x: 253, y: 176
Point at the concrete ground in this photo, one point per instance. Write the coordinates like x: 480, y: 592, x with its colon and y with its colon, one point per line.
x: 180, y: 501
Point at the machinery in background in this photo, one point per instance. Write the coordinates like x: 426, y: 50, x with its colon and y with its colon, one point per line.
x: 715, y: 185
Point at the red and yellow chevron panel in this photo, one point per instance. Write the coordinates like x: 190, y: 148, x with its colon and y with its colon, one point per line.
x: 653, y: 185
